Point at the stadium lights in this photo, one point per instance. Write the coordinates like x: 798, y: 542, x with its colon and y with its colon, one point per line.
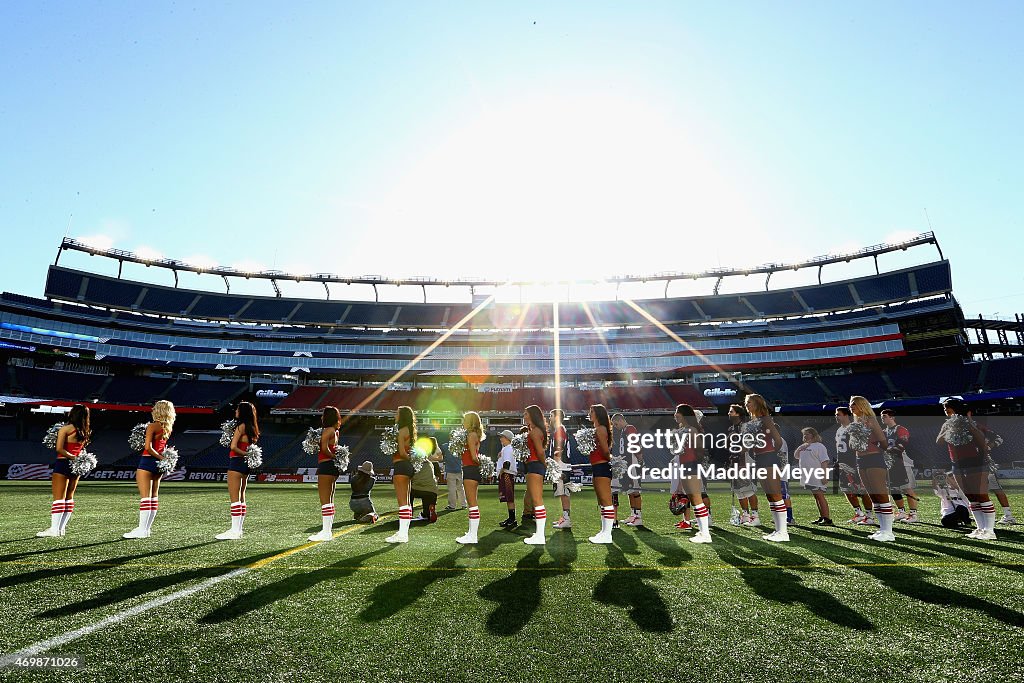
x: 122, y: 256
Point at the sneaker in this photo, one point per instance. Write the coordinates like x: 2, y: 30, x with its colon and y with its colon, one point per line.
x: 397, y: 538
x: 137, y: 532
x: 825, y: 521
x: 1008, y: 520
x: 683, y: 524
x: 631, y: 520
x: 744, y: 519
x: 322, y: 536
x: 884, y: 537
x: 420, y: 518
x: 506, y: 523
x: 449, y: 507
x: 468, y: 539
x: 536, y: 539
x: 615, y: 524
x: 230, y: 535
x: 563, y: 523
x: 701, y: 538
x: 857, y: 518
x: 986, y: 535
x: 900, y: 516
x: 754, y: 521
x: 868, y: 521
x: 974, y: 534
x: 777, y: 537
x: 49, y: 533
x: 818, y: 521
x: 603, y: 539
x: 910, y: 518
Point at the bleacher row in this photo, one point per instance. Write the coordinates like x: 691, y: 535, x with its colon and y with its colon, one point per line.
x: 78, y: 286
x: 894, y: 383
x: 74, y: 386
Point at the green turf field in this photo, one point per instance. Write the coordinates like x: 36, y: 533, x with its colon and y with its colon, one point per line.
x: 829, y: 605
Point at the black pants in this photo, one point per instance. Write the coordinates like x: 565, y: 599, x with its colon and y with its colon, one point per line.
x: 429, y: 499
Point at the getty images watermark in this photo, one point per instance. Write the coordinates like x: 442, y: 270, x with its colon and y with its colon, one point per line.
x: 677, y: 442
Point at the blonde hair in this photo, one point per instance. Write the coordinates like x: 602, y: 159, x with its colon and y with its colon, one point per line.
x: 859, y: 404
x: 815, y: 436
x: 163, y: 412
x: 757, y: 406
x: 474, y: 423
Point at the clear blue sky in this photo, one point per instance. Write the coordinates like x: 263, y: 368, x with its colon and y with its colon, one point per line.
x: 494, y: 139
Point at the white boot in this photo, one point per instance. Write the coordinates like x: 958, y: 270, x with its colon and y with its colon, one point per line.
x: 235, y: 532
x: 781, y: 533
x: 140, y: 531
x: 327, y: 520
x: 607, y: 520
x: 540, y: 517
x: 404, y: 520
x: 56, y: 512
x: 885, y: 519
x: 474, y: 527
x: 703, y: 523
x: 69, y: 508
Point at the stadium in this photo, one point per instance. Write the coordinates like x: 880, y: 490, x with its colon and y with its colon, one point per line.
x: 117, y: 344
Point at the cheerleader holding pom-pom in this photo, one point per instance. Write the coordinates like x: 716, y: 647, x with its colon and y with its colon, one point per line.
x: 401, y: 460
x: 600, y: 461
x: 968, y: 451
x: 246, y: 433
x: 327, y: 472
x: 148, y: 473
x: 869, y: 441
x: 766, y: 457
x: 69, y: 442
x: 472, y: 433
x: 536, y: 468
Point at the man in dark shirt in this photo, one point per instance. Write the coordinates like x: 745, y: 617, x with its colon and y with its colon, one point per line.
x: 361, y: 504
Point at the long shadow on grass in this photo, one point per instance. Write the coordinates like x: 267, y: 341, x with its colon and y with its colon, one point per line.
x: 911, y: 582
x: 288, y: 586
x: 782, y: 585
x: 54, y: 549
x: 519, y: 594
x: 139, y: 588
x: 965, y: 548
x: 626, y: 586
x: 391, y: 597
x: 672, y: 553
x: 74, y: 570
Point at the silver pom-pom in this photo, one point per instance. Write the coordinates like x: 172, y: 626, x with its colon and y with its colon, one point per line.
x: 619, y: 466
x: 848, y: 469
x: 389, y: 440
x: 311, y: 444
x: 486, y: 467
x: 957, y: 431
x: 586, y: 439
x: 254, y: 456
x: 137, y: 437
x: 457, y: 441
x: 553, y: 473
x: 169, y: 462
x: 520, y: 448
x: 50, y: 438
x: 889, y: 460
x: 573, y: 487
x: 993, y: 466
x: 83, y: 464
x: 341, y: 456
x: 418, y: 458
x: 227, y: 432
x: 753, y: 426
x: 860, y: 436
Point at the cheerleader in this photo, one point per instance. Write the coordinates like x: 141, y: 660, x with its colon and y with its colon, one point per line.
x: 690, y: 453
x: 471, y: 473
x: 71, y: 439
x: 849, y: 478
x: 147, y: 474
x: 247, y: 432
x: 405, y: 420
x: 744, y: 489
x: 969, y: 468
x: 326, y: 471
x: 536, y: 467
x: 600, y: 462
x: 766, y: 459
x: 873, y: 471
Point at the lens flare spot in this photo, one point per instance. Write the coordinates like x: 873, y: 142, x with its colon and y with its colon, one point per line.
x: 474, y: 369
